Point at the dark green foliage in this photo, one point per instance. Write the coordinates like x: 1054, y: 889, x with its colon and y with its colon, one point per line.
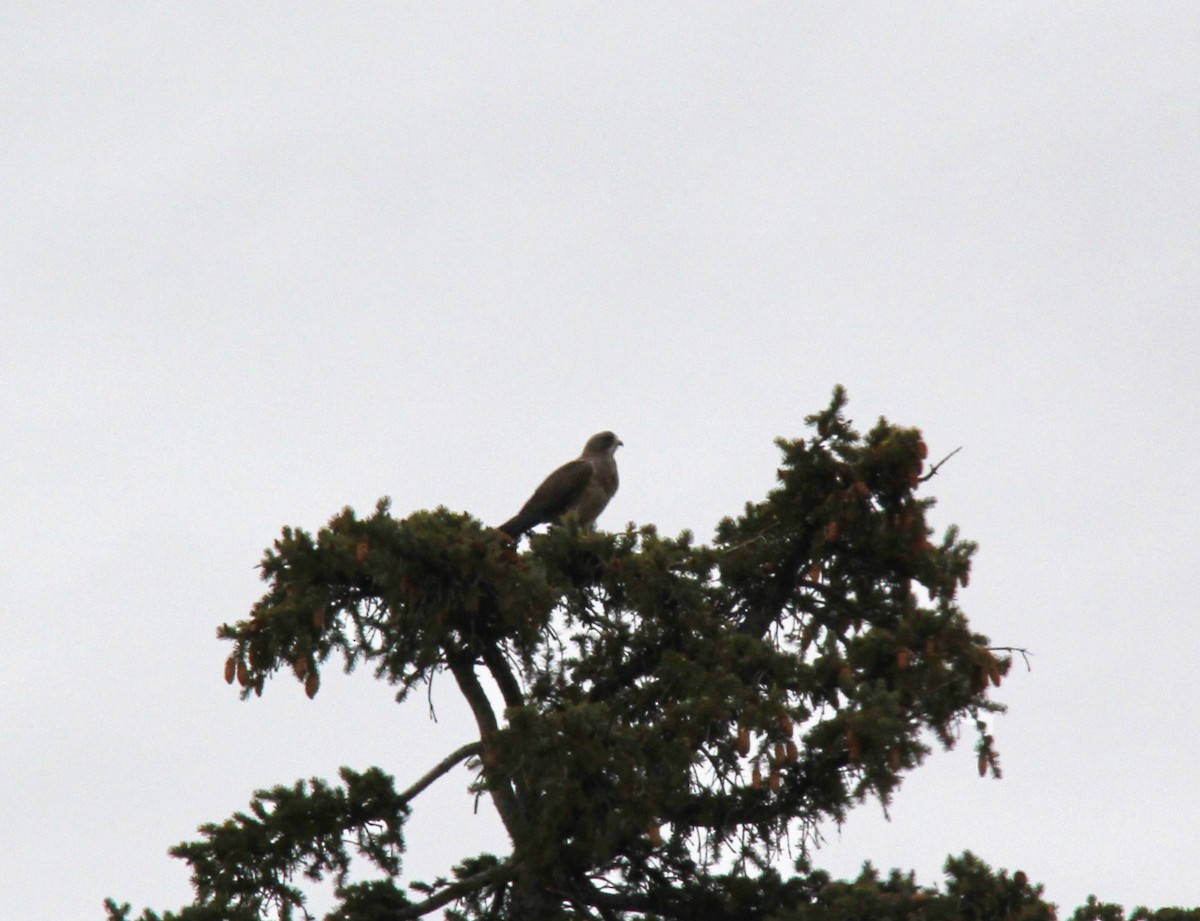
x: 973, y: 892
x: 400, y: 594
x: 245, y: 866
x: 1099, y: 911
x: 676, y: 715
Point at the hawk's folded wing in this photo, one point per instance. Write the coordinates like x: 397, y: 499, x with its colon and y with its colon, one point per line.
x: 556, y: 495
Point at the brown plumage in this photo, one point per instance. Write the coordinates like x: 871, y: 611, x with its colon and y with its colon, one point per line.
x: 582, y: 486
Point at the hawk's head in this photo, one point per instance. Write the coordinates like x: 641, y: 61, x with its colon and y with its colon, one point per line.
x: 602, y: 443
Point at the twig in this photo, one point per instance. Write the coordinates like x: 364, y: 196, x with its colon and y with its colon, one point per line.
x: 443, y: 766
x: 1025, y: 653
x: 934, y: 469
x: 761, y: 535
x: 429, y: 697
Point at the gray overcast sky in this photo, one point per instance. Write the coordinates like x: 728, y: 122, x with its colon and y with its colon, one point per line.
x: 262, y: 260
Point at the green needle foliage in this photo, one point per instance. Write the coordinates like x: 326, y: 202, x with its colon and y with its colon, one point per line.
x: 660, y: 721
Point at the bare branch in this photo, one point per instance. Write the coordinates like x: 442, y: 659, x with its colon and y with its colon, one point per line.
x: 442, y: 767
x: 934, y: 469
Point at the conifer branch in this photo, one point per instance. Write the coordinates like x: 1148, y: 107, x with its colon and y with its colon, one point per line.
x: 485, y: 718
x: 610, y: 905
x: 442, y: 767
x: 510, y: 689
x: 756, y: 620
x: 456, y: 891
x: 627, y: 901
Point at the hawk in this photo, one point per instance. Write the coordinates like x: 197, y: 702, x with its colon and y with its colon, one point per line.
x: 582, y: 486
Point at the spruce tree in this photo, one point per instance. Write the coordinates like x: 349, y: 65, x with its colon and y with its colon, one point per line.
x: 663, y: 724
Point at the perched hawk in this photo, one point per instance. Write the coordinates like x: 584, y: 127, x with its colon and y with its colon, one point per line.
x: 582, y: 486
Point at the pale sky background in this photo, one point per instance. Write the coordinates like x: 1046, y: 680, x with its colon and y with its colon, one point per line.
x: 262, y: 260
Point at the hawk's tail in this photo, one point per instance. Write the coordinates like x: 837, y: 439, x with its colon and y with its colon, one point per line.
x: 516, y: 526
